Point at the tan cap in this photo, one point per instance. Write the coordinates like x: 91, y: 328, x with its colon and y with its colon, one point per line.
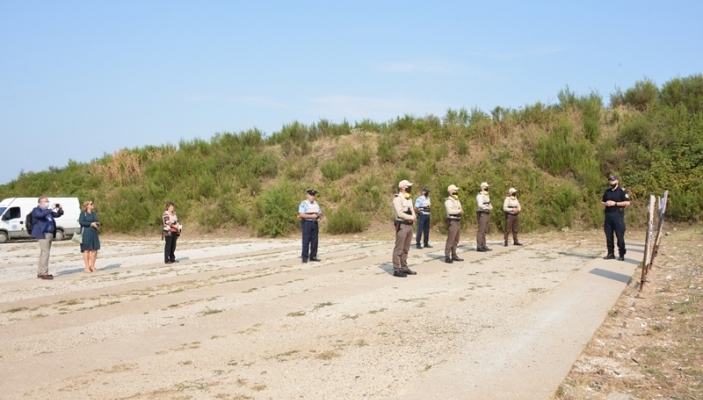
x: 404, y: 182
x: 452, y: 187
x: 484, y: 184
x: 512, y: 190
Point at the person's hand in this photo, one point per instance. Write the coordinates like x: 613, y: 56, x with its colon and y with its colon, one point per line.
x: 93, y: 224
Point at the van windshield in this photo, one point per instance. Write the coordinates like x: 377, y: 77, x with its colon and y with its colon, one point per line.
x: 2, y: 210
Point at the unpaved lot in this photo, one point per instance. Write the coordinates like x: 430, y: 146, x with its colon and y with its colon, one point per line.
x: 244, y: 319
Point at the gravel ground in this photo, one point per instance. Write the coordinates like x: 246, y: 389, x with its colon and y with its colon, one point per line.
x: 244, y: 319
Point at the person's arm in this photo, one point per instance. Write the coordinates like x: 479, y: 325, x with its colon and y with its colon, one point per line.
x: 302, y: 214
x: 452, y: 208
x: 83, y: 220
x: 400, y: 212
x: 506, y: 205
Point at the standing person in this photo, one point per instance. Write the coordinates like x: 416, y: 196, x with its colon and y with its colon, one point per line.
x: 422, y: 210
x: 44, y: 230
x: 452, y: 206
x: 404, y: 218
x: 171, y: 232
x: 310, y: 213
x: 615, y: 199
x: 483, y: 215
x: 88, y: 220
x: 511, y: 206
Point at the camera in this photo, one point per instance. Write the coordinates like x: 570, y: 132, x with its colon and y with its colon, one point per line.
x: 57, y: 205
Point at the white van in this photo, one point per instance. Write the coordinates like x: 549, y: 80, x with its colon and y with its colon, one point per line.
x: 14, y: 210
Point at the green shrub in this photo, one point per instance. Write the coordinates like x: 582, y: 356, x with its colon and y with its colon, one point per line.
x: 344, y: 220
x: 277, y: 210
x: 331, y: 170
x: 684, y: 91
x: 369, y: 195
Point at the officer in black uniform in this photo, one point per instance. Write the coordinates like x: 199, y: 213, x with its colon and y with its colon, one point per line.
x: 615, y: 199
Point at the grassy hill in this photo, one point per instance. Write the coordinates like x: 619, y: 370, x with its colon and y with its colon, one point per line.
x: 557, y: 156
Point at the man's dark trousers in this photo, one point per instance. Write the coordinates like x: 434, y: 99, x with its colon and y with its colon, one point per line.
x: 615, y: 223
x: 423, y: 227
x: 310, y: 233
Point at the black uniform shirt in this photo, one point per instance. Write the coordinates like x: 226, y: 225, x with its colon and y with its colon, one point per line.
x: 617, y: 195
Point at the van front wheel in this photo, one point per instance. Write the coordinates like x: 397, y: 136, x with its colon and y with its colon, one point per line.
x: 4, y: 237
x: 59, y: 235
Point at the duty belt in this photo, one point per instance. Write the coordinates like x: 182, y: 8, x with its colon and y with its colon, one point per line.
x: 454, y: 217
x: 404, y: 222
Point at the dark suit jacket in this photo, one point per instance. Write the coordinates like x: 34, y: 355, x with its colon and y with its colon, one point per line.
x: 39, y: 221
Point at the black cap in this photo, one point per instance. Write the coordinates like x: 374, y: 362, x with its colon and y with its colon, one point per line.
x: 426, y: 190
x: 311, y: 192
x: 612, y: 178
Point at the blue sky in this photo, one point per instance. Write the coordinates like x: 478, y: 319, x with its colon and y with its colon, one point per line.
x: 79, y: 79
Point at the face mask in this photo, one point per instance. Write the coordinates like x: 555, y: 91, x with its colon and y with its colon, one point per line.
x: 48, y: 205
x: 407, y: 195
x: 455, y: 197
x: 409, y: 189
x: 612, y: 185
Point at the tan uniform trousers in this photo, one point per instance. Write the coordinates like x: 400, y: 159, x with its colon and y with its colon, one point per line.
x: 403, y: 239
x: 44, y: 251
x: 453, y: 233
x: 483, y: 219
x: 512, y: 224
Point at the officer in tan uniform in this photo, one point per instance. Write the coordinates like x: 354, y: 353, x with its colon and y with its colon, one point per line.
x: 452, y: 206
x: 511, y: 207
x: 483, y: 215
x: 404, y: 218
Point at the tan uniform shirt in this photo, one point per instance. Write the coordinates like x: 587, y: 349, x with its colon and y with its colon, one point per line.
x: 453, y: 207
x: 483, y: 201
x: 401, y: 205
x: 510, y: 205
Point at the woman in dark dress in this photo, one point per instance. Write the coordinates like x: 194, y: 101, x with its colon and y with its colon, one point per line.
x: 88, y: 221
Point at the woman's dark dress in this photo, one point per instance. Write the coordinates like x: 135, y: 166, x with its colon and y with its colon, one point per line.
x: 90, y: 234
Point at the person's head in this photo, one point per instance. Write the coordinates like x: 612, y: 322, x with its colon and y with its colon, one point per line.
x: 405, y: 186
x: 170, y: 206
x: 43, y: 202
x: 613, y: 181
x: 512, y: 192
x: 311, y: 194
x: 425, y: 191
x: 484, y: 186
x: 88, y: 205
x: 452, y: 190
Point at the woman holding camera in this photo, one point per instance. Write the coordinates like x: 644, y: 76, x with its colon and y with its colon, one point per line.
x: 171, y: 231
x: 88, y: 220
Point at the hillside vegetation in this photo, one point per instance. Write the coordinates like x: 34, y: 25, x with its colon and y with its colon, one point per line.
x: 557, y: 156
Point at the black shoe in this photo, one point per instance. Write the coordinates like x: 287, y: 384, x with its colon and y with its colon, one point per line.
x: 418, y: 246
x: 168, y: 262
x: 305, y: 260
x: 427, y: 246
x: 488, y: 249
x: 482, y: 249
x: 621, y: 258
x: 45, y: 276
x: 515, y: 244
x: 399, y: 274
x: 174, y: 261
x: 610, y: 256
x: 314, y: 259
x: 505, y: 244
x: 457, y: 259
x: 408, y: 271
x: 448, y: 260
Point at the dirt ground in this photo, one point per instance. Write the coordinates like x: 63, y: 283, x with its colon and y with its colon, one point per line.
x: 651, y: 344
x: 244, y: 319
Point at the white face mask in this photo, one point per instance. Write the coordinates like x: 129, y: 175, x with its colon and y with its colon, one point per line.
x: 48, y: 205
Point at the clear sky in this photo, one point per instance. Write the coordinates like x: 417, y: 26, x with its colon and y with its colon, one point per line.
x: 79, y: 79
